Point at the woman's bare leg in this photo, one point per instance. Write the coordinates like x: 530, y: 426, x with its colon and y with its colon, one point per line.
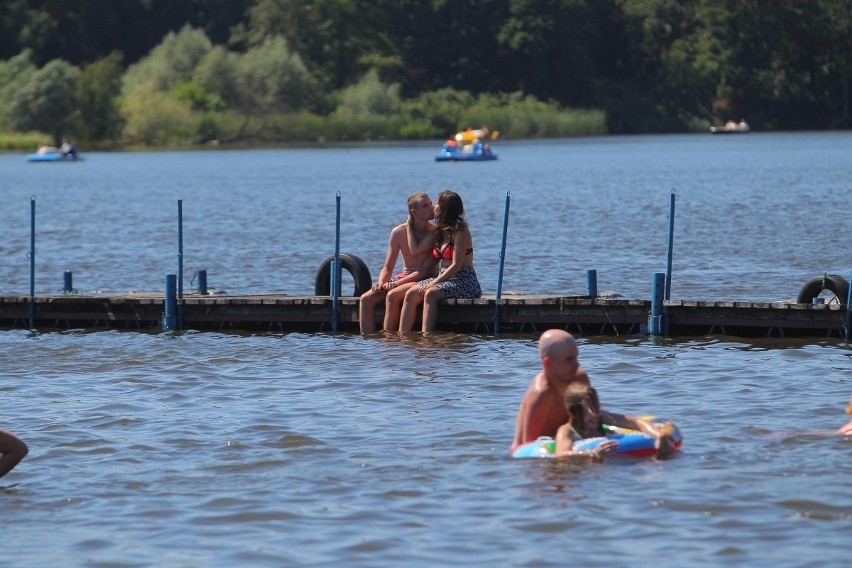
x: 412, y: 301
x: 430, y: 309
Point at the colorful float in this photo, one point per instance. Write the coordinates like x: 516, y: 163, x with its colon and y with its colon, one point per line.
x: 631, y: 443
x: 469, y: 146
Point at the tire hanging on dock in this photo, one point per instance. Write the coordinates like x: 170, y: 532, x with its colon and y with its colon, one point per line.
x: 352, y: 264
x: 831, y: 282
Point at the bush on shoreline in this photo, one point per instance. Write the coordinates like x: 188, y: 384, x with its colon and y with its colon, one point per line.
x: 432, y: 116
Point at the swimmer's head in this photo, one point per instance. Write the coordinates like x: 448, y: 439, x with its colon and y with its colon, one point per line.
x: 576, y: 395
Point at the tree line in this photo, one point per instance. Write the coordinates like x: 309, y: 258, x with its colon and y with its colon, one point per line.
x: 143, y: 71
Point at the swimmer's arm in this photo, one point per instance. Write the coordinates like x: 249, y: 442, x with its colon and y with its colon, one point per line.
x: 663, y: 439
x: 565, y: 445
x: 13, y: 450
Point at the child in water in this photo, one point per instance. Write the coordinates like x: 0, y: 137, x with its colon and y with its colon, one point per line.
x: 587, y: 419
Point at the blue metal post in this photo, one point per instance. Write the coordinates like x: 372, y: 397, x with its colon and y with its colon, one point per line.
x: 502, y: 261
x: 655, y: 320
x: 67, y: 282
x: 32, y: 262
x: 592, y: 283
x: 671, y: 243
x: 170, y: 302
x: 180, y: 266
x: 335, y: 271
x: 849, y: 313
x: 202, y: 282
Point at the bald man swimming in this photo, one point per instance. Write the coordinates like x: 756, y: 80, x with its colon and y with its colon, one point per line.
x: 542, y: 409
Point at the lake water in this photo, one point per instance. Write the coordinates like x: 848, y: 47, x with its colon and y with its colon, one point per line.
x: 271, y: 449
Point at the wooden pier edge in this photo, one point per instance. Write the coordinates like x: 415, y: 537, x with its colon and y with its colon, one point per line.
x: 517, y: 314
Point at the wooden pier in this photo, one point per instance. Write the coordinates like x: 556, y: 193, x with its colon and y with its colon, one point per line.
x: 515, y: 314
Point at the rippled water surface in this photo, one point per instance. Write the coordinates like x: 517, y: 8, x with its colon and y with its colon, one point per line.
x: 208, y: 449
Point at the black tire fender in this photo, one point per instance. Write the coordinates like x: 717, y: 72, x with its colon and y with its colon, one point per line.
x: 352, y: 264
x: 831, y: 282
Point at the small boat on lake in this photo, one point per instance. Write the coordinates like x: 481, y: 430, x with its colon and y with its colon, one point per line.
x: 67, y: 153
x: 478, y: 152
x: 731, y: 127
x: 469, y: 146
x: 53, y: 156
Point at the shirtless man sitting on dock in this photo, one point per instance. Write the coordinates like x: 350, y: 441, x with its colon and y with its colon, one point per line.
x: 391, y: 288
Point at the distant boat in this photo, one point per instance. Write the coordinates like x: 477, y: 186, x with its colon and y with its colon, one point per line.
x: 731, y: 127
x: 468, y: 146
x: 52, y: 154
x: 477, y: 152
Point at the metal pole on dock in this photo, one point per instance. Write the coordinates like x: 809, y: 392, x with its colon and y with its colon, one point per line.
x: 32, y: 262
x: 849, y: 313
x: 500, y: 272
x: 170, y: 302
x: 179, y: 322
x: 671, y: 243
x: 655, y: 320
x: 335, y: 271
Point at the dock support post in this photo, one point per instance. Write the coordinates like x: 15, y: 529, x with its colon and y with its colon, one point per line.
x: 655, y: 320
x: 32, y: 263
x: 500, y: 272
x: 335, y: 272
x: 849, y: 313
x: 67, y: 282
x: 202, y: 282
x: 170, y: 302
x: 592, y: 283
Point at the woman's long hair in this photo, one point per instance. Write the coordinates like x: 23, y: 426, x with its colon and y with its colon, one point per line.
x: 450, y: 218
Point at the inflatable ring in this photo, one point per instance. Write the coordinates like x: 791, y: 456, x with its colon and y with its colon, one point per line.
x: 831, y: 282
x: 352, y: 264
x: 631, y: 443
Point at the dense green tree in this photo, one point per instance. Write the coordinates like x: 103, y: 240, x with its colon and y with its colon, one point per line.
x: 171, y: 62
x: 335, y: 38
x: 47, y: 100
x: 652, y: 65
x: 217, y: 72
x: 369, y: 96
x: 154, y: 117
x: 15, y: 73
x: 90, y: 29
x: 271, y: 78
x: 98, y: 90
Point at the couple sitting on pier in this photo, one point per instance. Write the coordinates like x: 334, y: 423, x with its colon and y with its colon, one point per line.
x: 437, y: 261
